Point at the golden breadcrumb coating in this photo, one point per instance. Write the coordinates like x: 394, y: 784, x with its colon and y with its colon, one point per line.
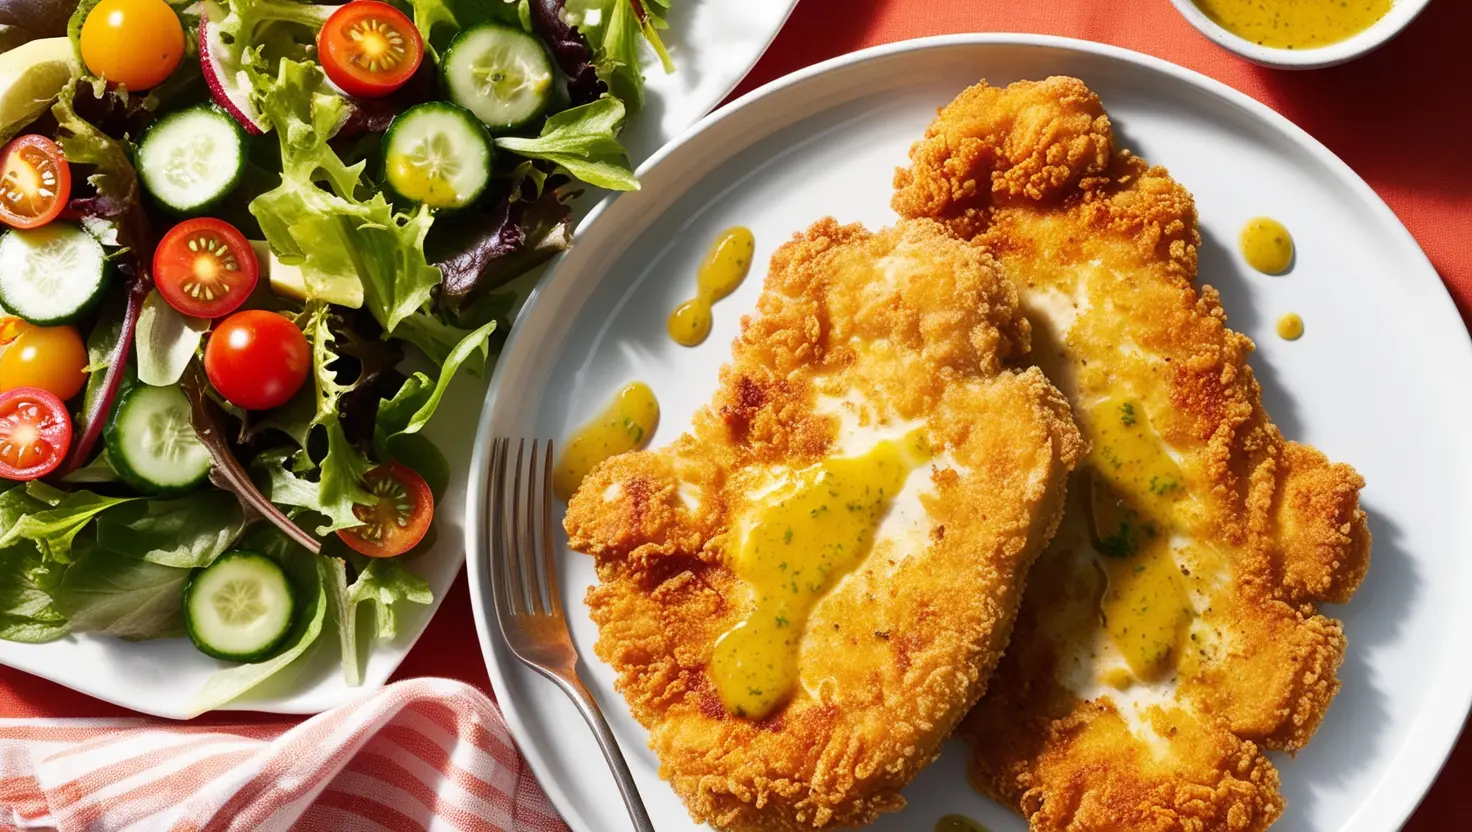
x: 903, y: 327
x: 1102, y: 248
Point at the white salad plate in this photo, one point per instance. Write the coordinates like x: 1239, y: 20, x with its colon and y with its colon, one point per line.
x: 1382, y: 379
x: 713, y: 44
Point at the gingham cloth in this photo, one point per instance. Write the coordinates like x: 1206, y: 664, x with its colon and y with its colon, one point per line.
x: 420, y: 754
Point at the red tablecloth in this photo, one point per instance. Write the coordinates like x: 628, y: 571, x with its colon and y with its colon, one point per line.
x: 1399, y: 117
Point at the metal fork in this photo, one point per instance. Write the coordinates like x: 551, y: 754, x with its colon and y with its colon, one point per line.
x: 528, y: 609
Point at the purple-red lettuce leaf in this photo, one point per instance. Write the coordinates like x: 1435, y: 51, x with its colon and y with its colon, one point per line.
x: 227, y: 472
x: 572, y: 52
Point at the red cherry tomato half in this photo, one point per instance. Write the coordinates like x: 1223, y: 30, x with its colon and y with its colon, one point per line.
x: 369, y: 48
x: 35, y: 433
x: 204, y: 267
x: 257, y: 359
x: 399, y: 520
x: 35, y: 182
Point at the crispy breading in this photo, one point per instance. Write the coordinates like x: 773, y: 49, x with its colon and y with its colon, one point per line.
x: 905, y: 327
x: 1102, y: 248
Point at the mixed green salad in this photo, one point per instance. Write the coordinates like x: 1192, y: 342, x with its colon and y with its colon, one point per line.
x: 247, y: 245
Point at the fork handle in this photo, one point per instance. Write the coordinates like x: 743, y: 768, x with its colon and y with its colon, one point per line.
x: 588, y: 707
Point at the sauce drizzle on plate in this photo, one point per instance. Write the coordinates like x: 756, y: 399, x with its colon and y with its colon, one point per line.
x: 626, y: 425
x: 1290, y: 326
x: 1266, y: 245
x: 792, y: 548
x: 726, y: 264
x: 1295, y: 24
x: 958, y: 823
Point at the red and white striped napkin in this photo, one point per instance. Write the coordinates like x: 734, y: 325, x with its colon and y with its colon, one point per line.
x: 423, y: 754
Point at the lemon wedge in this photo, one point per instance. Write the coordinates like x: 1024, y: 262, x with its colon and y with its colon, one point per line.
x: 31, y: 76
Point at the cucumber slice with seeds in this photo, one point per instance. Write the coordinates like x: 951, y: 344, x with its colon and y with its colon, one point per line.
x: 501, y: 74
x: 239, y: 608
x: 191, y: 159
x: 437, y: 154
x: 53, y: 274
x: 152, y: 444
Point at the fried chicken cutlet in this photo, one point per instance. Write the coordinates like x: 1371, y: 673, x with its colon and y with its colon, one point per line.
x: 1169, y: 634
x: 804, y: 594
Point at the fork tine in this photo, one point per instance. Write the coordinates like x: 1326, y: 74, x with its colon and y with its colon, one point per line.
x: 534, y: 535
x: 519, y: 549
x: 549, y: 556
x: 499, y: 550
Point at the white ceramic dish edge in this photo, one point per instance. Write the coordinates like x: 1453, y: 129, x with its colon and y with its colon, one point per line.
x: 1450, y: 704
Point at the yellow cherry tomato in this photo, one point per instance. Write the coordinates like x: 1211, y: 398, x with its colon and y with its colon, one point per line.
x: 136, y: 43
x: 52, y: 358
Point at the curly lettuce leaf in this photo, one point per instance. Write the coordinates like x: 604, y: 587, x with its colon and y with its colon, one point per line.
x: 317, y: 219
x: 584, y: 142
x: 340, y: 486
x: 27, y: 612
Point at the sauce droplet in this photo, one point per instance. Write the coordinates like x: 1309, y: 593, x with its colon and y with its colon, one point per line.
x: 1266, y: 245
x: 795, y: 545
x: 1134, y: 486
x: 1290, y: 327
x: 726, y: 264
x: 1294, y: 24
x: 958, y: 823
x: 626, y: 425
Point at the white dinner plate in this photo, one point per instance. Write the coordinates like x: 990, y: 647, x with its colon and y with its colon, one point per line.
x: 713, y: 44
x: 1381, y: 380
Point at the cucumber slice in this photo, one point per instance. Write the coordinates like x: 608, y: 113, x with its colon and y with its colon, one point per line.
x: 239, y: 608
x: 191, y: 159
x: 53, y: 274
x: 437, y: 154
x: 501, y: 74
x: 152, y: 444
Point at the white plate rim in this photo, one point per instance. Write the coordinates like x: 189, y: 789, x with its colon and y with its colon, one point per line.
x: 1440, y: 723
x: 31, y: 658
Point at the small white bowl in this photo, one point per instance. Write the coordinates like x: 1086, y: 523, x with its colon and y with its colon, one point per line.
x: 1400, y: 15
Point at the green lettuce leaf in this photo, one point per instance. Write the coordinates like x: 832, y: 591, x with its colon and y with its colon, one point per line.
x: 311, y: 600
x: 165, y: 341
x: 411, y: 408
x: 340, y: 486
x: 385, y: 585
x: 187, y: 532
x: 316, y: 218
x: 584, y: 141
x: 113, y: 594
x: 54, y: 525
x: 27, y: 612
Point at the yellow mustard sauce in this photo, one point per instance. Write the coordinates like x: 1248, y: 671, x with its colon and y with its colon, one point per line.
x: 1295, y: 24
x: 626, y: 425
x: 958, y: 823
x: 1290, y: 326
x: 726, y: 264
x: 1266, y: 245
x: 1134, y: 488
x: 792, y: 548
